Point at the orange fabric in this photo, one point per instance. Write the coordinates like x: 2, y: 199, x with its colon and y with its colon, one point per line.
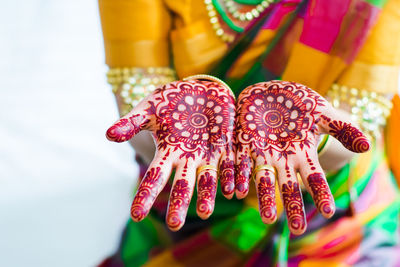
x: 393, y: 138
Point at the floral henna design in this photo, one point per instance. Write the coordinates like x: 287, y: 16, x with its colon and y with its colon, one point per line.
x: 178, y: 205
x: 266, y: 198
x: 146, y: 194
x: 279, y: 122
x: 275, y: 117
x: 192, y: 123
x: 291, y: 196
x: 206, y: 194
x: 321, y: 193
x: 195, y: 119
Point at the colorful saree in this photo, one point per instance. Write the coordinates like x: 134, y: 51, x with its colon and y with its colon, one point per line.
x: 317, y: 43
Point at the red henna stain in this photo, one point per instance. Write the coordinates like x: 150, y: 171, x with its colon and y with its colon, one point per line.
x: 266, y: 199
x: 125, y: 129
x: 207, y: 190
x: 310, y: 162
x: 196, y: 119
x: 243, y: 174
x: 352, y: 138
x: 293, y: 203
x: 178, y: 204
x: 146, y: 194
x: 227, y: 176
x: 321, y: 194
x: 275, y: 116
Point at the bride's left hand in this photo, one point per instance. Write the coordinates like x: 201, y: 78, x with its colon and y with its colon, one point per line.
x: 278, y: 124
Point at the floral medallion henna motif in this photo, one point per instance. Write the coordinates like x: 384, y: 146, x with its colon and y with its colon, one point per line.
x: 291, y: 196
x: 178, y: 205
x: 321, y: 193
x: 195, y: 119
x: 277, y: 119
x: 207, y: 189
x: 192, y: 123
x: 279, y: 122
x: 266, y: 198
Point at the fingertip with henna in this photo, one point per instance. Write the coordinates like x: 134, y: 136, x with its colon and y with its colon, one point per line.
x: 122, y: 131
x: 227, y: 178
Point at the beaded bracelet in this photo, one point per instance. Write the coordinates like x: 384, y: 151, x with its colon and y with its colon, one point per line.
x: 368, y: 109
x: 134, y: 84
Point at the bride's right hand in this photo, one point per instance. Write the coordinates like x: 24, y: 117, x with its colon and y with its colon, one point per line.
x: 192, y: 123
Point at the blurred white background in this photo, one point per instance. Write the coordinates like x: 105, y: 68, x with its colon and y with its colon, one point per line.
x: 64, y: 189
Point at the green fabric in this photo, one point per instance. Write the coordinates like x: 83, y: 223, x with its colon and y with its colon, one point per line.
x: 283, y: 245
x: 248, y: 2
x: 139, y: 239
x: 242, y: 232
x: 377, y: 3
x: 388, y: 222
x: 226, y: 18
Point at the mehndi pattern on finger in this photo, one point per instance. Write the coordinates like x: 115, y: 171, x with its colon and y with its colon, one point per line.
x: 243, y: 173
x: 146, y: 194
x: 125, y: 128
x: 321, y: 193
x: 293, y: 203
x: 227, y: 176
x: 352, y: 138
x: 178, y: 204
x: 266, y: 198
x: 207, y: 190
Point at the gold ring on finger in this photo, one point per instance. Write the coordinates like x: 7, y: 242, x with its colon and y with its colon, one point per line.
x: 206, y: 167
x: 263, y: 167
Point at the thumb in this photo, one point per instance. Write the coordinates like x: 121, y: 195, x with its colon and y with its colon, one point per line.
x: 125, y: 128
x: 349, y: 135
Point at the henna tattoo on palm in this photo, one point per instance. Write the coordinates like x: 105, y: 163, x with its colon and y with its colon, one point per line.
x: 192, y: 123
x: 278, y: 123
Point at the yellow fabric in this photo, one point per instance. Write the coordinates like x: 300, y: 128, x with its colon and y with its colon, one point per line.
x: 142, y: 33
x: 371, y: 77
x: 135, y: 32
x: 165, y: 259
x: 376, y: 67
x: 195, y: 48
x: 313, y: 68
